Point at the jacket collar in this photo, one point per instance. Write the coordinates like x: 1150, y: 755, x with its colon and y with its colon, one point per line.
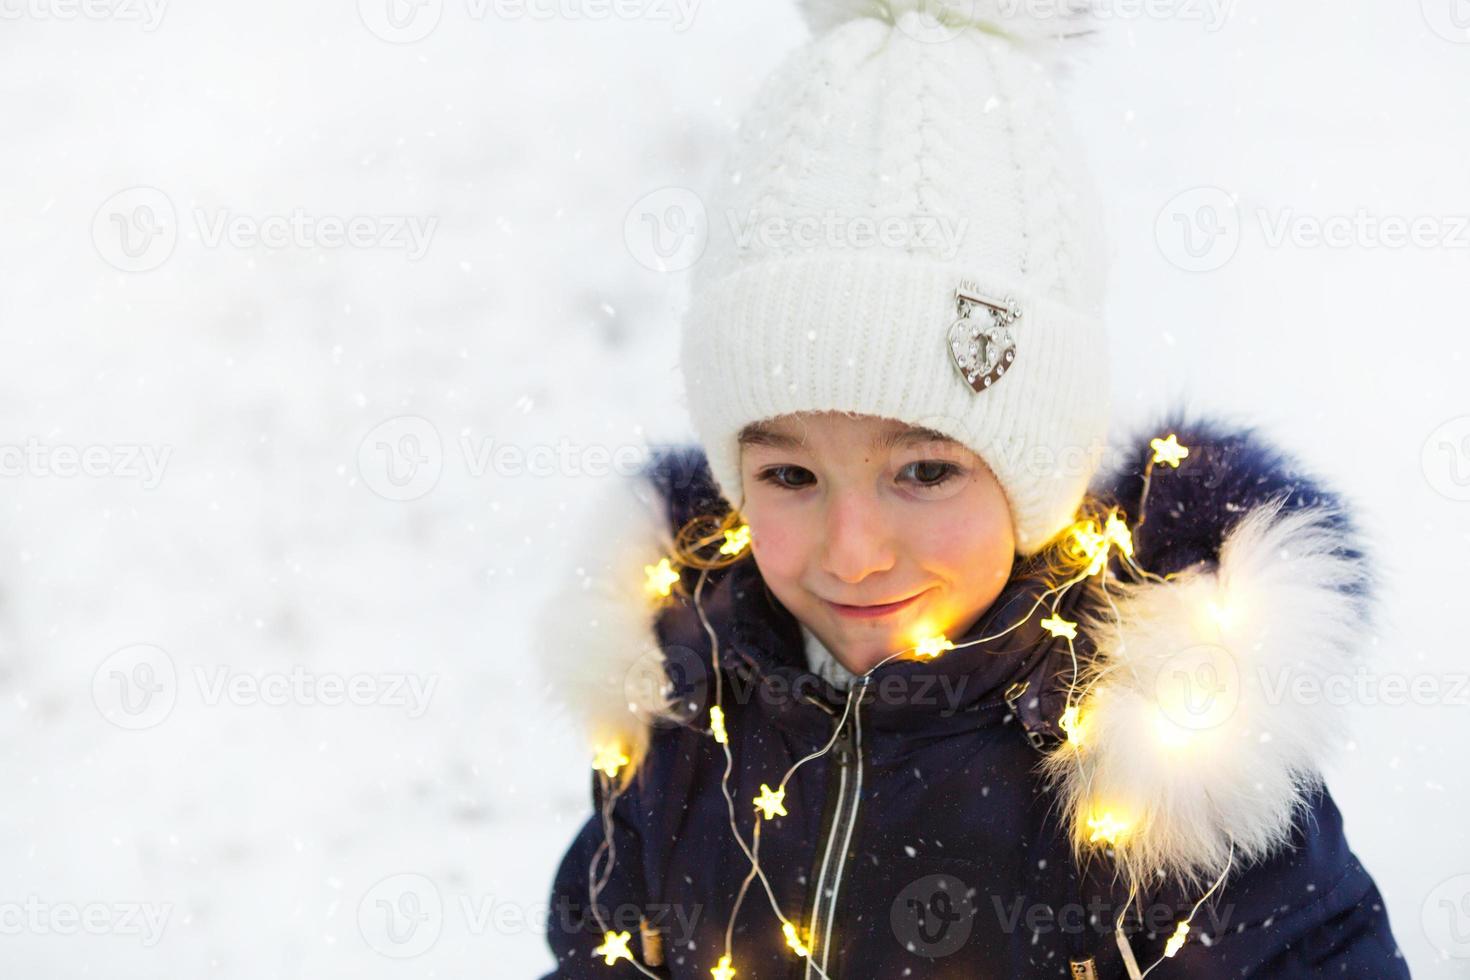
x: 763, y: 645
x: 1239, y: 526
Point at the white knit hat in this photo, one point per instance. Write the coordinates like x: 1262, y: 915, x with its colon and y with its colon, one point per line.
x: 906, y: 229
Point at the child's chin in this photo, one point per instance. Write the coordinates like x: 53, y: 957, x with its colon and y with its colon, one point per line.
x: 870, y: 647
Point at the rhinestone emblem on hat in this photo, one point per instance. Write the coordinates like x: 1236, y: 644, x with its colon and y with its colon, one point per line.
x: 981, y: 342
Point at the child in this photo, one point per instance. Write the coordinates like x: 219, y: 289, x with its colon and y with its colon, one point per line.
x: 891, y: 678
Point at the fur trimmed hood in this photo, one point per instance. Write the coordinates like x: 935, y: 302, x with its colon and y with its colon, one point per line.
x: 1193, y: 747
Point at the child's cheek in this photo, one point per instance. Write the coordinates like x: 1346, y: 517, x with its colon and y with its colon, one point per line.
x: 777, y: 545
x: 956, y: 538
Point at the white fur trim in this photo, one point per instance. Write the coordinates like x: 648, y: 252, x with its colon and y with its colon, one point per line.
x: 1188, y: 777
x: 1239, y: 775
x: 594, y: 638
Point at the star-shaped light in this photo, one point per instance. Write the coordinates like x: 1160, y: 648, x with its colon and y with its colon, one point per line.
x: 1176, y: 940
x: 717, y: 724
x: 1092, y: 544
x: 614, y: 947
x: 771, y: 803
x: 660, y: 578
x: 1071, y: 723
x: 724, y: 971
x: 1168, y: 450
x: 1088, y: 539
x: 609, y: 759
x: 1106, y: 827
x: 1057, y: 626
x: 932, y: 646
x: 1117, y: 532
x: 736, y: 540
x: 794, y: 941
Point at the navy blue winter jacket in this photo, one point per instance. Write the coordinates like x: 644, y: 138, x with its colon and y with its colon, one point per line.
x: 943, y: 833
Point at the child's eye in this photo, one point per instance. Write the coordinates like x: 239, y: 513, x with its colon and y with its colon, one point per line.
x: 932, y: 472
x: 773, y: 475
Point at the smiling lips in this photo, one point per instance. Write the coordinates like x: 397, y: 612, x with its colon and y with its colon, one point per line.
x: 874, y: 612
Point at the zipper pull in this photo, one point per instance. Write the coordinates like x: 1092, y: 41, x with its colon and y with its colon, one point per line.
x: 843, y: 746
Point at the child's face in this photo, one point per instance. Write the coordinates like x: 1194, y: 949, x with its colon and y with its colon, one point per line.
x: 849, y: 511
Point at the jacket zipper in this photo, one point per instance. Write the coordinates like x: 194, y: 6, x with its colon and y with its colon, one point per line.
x: 840, y: 817
x: 832, y: 861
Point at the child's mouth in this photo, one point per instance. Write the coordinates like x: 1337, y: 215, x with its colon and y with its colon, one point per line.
x: 875, y: 612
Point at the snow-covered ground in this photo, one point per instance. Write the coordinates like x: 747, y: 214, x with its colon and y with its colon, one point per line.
x: 263, y: 683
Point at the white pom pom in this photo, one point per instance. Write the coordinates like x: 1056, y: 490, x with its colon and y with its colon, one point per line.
x: 1021, y: 19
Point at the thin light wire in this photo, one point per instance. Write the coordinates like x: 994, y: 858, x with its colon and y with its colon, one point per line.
x: 1230, y: 859
x: 854, y: 694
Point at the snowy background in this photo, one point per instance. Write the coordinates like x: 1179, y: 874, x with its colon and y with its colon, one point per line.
x: 262, y: 678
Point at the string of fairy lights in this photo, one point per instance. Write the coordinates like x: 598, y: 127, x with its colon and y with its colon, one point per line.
x: 1088, y: 545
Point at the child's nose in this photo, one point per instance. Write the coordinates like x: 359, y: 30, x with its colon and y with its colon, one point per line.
x: 858, y: 541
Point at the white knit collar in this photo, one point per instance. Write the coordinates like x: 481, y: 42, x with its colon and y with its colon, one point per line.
x: 819, y: 661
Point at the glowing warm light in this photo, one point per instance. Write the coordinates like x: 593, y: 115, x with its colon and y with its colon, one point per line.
x: 1168, y: 450
x: 1176, y: 940
x: 609, y: 759
x: 736, y: 540
x: 1057, y: 626
x: 1222, y: 615
x: 1092, y: 543
x: 724, y: 971
x: 1105, y: 827
x: 1095, y: 543
x: 1116, y: 531
x: 794, y: 941
x: 771, y: 803
x: 660, y: 578
x: 614, y: 947
x: 1087, y: 538
x: 932, y: 646
x: 1071, y: 723
x: 1171, y: 734
x: 717, y: 724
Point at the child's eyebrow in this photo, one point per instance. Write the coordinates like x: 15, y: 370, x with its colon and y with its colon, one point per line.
x: 908, y: 437
x: 759, y: 435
